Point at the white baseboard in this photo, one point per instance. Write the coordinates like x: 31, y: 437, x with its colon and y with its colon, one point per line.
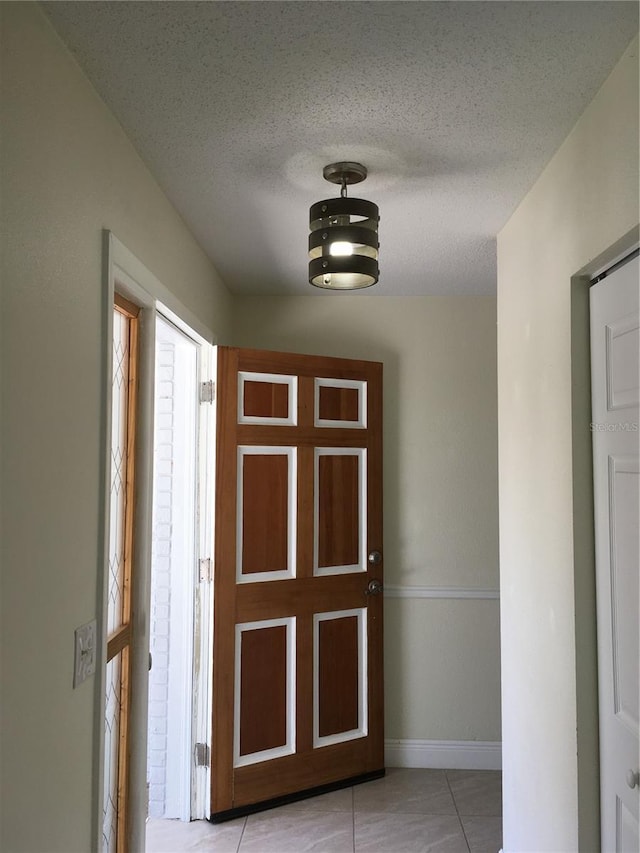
x: 443, y: 754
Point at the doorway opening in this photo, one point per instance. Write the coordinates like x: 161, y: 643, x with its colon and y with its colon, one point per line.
x: 180, y: 600
x: 584, y: 429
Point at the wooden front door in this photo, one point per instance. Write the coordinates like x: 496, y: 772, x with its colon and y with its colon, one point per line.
x: 297, y: 658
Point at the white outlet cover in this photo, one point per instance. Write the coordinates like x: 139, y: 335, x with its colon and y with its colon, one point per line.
x: 84, y: 663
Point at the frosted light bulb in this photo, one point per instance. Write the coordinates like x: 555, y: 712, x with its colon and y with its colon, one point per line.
x: 341, y: 248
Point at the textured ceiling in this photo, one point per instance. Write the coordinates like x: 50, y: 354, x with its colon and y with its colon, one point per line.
x: 455, y: 108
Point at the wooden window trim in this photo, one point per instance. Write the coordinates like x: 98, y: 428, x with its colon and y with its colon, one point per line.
x: 120, y: 641
x: 125, y: 306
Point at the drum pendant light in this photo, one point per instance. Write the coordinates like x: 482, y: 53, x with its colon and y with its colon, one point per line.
x: 343, y: 239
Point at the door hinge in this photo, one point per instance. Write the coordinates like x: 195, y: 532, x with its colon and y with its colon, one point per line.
x: 205, y: 573
x: 201, y: 755
x: 207, y: 391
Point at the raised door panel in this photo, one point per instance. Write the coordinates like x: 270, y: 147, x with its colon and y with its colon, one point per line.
x: 340, y: 676
x: 624, y: 484
x: 340, y: 403
x: 264, y: 723
x: 340, y: 529
x: 627, y: 836
x: 267, y: 398
x: 266, y: 514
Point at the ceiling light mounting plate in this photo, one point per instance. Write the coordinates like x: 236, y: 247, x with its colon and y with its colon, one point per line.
x: 345, y: 173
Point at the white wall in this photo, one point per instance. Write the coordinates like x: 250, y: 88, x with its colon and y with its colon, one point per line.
x: 585, y: 201
x: 68, y: 171
x: 440, y: 489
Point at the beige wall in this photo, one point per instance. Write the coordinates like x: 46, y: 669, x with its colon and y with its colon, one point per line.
x: 440, y: 488
x: 68, y: 171
x: 585, y: 201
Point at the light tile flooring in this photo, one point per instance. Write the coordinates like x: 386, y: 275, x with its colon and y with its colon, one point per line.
x: 408, y: 811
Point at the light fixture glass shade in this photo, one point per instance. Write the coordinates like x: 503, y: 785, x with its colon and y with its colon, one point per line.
x: 343, y: 243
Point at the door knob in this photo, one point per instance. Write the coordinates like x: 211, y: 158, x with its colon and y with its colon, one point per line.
x: 374, y: 588
x: 632, y: 778
x: 375, y: 557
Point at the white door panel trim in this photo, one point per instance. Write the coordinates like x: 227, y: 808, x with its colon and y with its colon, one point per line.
x: 289, y: 747
x: 361, y: 565
x: 359, y: 385
x: 291, y: 383
x: 292, y: 504
x: 363, y: 714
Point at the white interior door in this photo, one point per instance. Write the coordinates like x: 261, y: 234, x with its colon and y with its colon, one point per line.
x: 615, y: 348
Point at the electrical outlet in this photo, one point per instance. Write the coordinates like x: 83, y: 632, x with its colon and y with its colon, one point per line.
x: 84, y: 663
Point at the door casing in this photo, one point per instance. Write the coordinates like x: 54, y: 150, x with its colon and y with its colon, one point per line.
x: 615, y: 443
x: 588, y: 762
x: 125, y: 274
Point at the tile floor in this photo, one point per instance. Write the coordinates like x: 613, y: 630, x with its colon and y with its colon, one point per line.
x: 408, y: 811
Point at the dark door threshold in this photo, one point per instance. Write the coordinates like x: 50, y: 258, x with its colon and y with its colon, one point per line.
x: 252, y: 808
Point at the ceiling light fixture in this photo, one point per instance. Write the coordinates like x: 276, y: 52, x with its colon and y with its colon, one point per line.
x: 343, y: 243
